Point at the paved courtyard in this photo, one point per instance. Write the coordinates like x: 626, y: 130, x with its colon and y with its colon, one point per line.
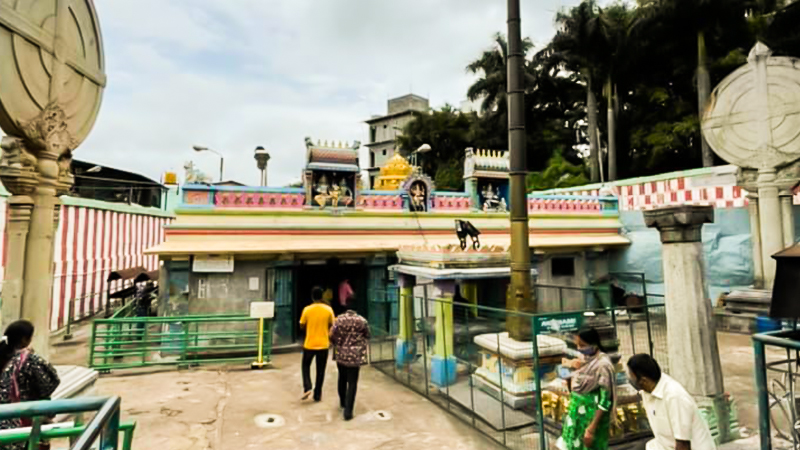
x: 216, y: 408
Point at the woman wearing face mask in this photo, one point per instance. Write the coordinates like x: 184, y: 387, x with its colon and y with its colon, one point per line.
x: 586, y: 425
x: 24, y: 376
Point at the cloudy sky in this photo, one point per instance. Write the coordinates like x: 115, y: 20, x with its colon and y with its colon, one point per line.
x: 234, y: 74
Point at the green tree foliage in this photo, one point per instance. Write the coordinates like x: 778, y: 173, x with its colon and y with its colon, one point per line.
x: 447, y: 131
x: 559, y: 173
x: 624, y: 81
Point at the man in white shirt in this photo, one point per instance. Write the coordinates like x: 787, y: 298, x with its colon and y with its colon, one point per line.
x: 672, y: 412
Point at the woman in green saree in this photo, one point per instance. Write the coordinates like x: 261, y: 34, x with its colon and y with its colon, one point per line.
x: 587, y: 423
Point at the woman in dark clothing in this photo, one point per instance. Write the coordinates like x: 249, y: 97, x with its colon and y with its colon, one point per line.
x: 25, y: 375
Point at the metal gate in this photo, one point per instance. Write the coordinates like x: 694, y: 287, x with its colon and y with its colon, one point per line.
x: 282, y: 282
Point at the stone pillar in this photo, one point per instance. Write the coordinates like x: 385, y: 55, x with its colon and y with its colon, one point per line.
x: 787, y: 217
x: 18, y: 173
x: 691, y: 335
x: 755, y: 239
x: 405, y: 348
x: 771, y: 227
x: 471, y: 187
x: 443, y: 361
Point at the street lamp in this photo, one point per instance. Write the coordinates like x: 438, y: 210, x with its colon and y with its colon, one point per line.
x: 262, y: 158
x: 424, y: 148
x: 94, y: 169
x: 199, y: 148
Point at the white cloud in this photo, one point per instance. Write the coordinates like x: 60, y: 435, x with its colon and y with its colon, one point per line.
x: 234, y: 74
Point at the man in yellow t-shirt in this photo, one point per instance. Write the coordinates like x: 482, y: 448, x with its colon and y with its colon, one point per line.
x: 317, y: 319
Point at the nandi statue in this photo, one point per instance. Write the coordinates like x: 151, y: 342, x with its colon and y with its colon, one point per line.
x: 194, y: 176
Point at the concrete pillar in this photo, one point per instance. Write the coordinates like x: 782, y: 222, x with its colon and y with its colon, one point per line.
x: 769, y: 214
x: 405, y: 348
x: 755, y: 240
x: 471, y: 187
x: 469, y: 290
x: 19, y: 217
x: 787, y: 218
x: 39, y: 252
x: 443, y: 361
x: 18, y: 174
x: 691, y: 335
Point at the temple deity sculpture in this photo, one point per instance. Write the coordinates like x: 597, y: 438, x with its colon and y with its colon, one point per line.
x: 194, y: 176
x: 418, y: 197
x: 346, y: 192
x: 322, y: 190
x: 492, y: 201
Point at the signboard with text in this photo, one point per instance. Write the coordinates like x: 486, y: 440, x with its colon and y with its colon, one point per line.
x: 558, y: 324
x: 213, y: 264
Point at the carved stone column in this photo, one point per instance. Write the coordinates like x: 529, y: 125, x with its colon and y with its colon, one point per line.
x: 18, y: 173
x: 787, y: 217
x: 755, y: 236
x: 691, y: 335
x: 50, y: 139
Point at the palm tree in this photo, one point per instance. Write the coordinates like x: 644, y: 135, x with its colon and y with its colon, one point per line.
x: 577, y: 47
x: 615, y: 25
x: 702, y: 18
x: 492, y: 84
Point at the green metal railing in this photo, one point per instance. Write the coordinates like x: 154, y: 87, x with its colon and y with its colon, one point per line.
x: 133, y: 342
x: 105, y: 425
x: 455, y: 374
x: 778, y: 396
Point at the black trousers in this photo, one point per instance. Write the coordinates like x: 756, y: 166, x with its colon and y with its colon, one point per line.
x: 348, y: 384
x: 322, y: 360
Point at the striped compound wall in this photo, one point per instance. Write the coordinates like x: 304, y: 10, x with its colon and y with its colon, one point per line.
x: 91, y: 241
x: 715, y: 187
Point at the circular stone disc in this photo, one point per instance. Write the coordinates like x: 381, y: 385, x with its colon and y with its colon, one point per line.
x: 732, y: 124
x: 51, y: 51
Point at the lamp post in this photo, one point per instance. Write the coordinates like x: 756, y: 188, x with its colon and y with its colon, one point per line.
x: 199, y: 148
x: 262, y: 158
x: 424, y: 148
x: 520, y: 297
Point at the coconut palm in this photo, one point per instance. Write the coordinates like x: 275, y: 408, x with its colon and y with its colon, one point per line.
x: 577, y: 47
x: 491, y: 87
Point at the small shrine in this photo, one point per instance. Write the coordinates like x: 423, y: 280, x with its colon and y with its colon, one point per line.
x: 331, y: 174
x: 486, y: 179
x: 393, y: 174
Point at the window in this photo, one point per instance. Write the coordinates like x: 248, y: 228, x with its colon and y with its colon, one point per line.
x: 372, y: 134
x: 384, y: 153
x: 562, y: 267
x: 372, y: 159
x: 202, y: 288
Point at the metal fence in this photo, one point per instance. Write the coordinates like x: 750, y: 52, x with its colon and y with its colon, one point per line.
x: 104, y: 427
x: 132, y: 342
x: 458, y: 357
x: 777, y: 367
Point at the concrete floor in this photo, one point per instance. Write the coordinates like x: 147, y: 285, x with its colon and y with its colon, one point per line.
x: 216, y: 408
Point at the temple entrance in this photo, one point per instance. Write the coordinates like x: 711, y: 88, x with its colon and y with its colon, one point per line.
x: 329, y: 275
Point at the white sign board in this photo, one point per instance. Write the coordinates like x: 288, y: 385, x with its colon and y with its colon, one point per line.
x: 213, y: 264
x: 253, y: 283
x: 262, y: 310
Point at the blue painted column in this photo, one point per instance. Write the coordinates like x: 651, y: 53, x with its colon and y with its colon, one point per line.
x: 443, y: 361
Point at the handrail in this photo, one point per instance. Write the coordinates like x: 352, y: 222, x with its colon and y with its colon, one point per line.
x: 105, y: 424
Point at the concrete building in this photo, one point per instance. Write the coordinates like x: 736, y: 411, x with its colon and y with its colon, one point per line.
x: 383, y: 130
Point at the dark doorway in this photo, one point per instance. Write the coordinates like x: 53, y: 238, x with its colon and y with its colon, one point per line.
x: 329, y: 275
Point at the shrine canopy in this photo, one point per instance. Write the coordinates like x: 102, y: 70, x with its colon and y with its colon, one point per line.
x: 450, y: 262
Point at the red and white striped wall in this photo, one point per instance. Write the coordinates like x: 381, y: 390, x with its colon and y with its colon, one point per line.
x: 88, y: 245
x: 672, y: 190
